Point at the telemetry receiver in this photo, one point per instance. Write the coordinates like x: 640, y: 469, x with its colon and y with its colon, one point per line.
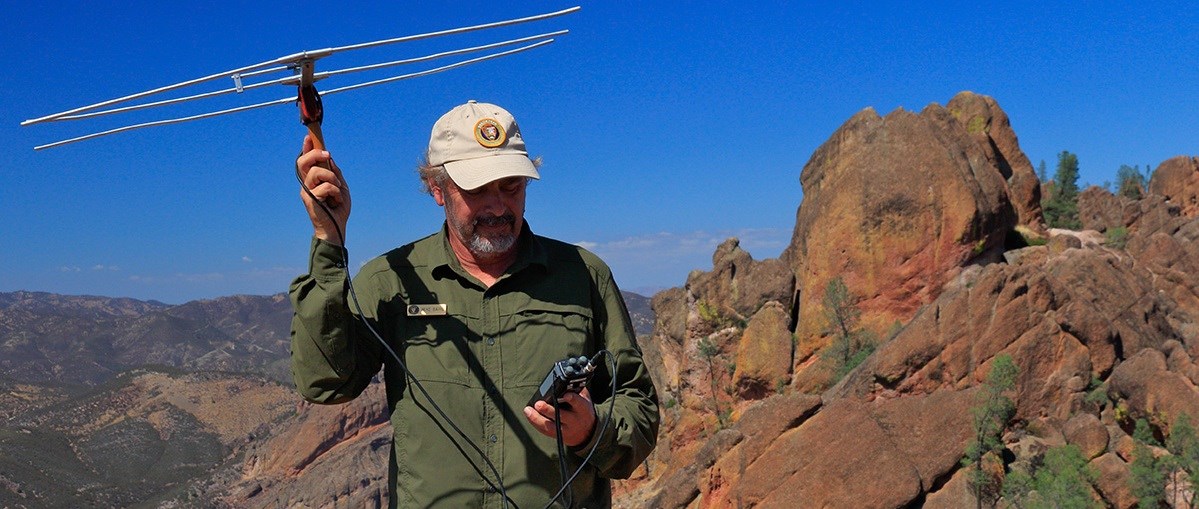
x: 568, y: 375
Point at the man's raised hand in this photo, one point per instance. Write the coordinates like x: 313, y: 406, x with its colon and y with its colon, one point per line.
x: 321, y: 176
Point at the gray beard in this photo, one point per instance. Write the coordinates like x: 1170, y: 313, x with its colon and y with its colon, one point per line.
x: 486, y: 247
x: 483, y: 246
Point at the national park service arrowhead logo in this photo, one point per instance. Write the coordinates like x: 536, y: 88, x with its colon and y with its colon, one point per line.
x: 489, y: 133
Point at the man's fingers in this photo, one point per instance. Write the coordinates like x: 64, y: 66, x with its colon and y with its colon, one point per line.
x: 319, y: 175
x: 541, y: 422
x: 576, y: 400
x: 310, y: 160
x: 341, y: 179
x: 328, y: 192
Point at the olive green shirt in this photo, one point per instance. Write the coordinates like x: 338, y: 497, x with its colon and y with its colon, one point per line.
x: 481, y: 353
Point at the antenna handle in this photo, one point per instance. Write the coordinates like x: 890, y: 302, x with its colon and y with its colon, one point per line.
x: 318, y: 139
x: 312, y: 112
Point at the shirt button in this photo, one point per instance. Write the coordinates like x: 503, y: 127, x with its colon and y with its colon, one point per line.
x: 490, y: 341
x: 493, y: 439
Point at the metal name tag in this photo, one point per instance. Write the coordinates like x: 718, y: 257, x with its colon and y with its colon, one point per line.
x: 426, y: 310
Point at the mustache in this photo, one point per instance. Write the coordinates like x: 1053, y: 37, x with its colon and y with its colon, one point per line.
x: 501, y: 220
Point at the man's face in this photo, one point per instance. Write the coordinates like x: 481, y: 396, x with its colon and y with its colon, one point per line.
x: 486, y: 220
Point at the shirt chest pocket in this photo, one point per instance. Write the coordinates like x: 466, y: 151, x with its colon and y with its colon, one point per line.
x: 439, y: 348
x: 541, y: 333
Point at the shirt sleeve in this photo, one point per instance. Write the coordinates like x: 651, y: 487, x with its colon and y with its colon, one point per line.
x: 332, y: 361
x: 632, y: 431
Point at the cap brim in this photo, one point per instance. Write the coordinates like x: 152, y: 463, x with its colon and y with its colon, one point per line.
x: 469, y: 174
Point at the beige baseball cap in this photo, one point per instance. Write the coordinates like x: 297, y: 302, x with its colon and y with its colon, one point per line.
x: 478, y: 143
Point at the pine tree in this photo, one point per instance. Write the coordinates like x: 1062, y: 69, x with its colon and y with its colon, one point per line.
x: 990, y: 418
x: 1148, y: 482
x: 1183, y: 444
x: 1131, y: 182
x: 1061, y: 207
x: 850, y: 344
x: 708, y: 350
x: 1064, y: 480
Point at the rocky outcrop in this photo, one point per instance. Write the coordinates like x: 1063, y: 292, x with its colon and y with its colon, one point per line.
x: 737, y: 286
x: 1177, y: 179
x: 990, y: 127
x: 1101, y: 336
x: 893, y: 205
x: 893, y: 431
x: 322, y: 456
x: 763, y: 362
x: 1166, y: 246
x: 715, y: 306
x: 1100, y: 210
x: 1161, y: 391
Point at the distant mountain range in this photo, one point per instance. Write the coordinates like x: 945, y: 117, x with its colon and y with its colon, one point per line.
x: 86, y: 340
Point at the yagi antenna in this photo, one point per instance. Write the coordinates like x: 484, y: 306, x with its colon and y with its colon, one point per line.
x: 304, y: 76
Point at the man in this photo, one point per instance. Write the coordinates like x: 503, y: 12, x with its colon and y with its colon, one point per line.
x: 478, y: 313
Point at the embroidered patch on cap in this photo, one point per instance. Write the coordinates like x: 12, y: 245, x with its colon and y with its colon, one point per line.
x: 489, y: 133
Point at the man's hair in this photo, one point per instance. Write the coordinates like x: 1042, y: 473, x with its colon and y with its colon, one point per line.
x: 437, y: 174
x: 429, y: 172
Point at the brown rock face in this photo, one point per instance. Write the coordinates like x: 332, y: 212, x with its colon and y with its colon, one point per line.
x: 1148, y: 383
x: 737, y: 286
x: 1113, y: 482
x: 1088, y: 433
x: 892, y: 205
x: 1101, y: 210
x: 901, y: 420
x: 714, y: 307
x: 820, y: 464
x: 1076, y: 315
x: 1167, y: 247
x: 989, y: 125
x: 764, y: 353
x: 324, y: 456
x: 1178, y: 180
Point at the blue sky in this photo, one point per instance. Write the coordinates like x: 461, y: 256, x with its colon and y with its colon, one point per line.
x: 665, y: 127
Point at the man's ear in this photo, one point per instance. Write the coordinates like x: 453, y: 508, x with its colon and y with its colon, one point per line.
x: 437, y: 192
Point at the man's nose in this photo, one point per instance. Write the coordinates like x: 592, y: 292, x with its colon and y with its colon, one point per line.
x: 491, y: 201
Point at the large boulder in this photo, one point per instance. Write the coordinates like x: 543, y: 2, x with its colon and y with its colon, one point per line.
x: 989, y: 125
x: 1153, y: 390
x: 892, y: 205
x: 1114, y: 481
x: 841, y: 457
x: 1177, y: 179
x: 1100, y: 210
x: 1167, y: 247
x: 763, y: 363
x: 853, y: 454
x: 1088, y: 433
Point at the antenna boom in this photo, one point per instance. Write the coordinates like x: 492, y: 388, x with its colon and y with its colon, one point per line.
x: 292, y: 62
